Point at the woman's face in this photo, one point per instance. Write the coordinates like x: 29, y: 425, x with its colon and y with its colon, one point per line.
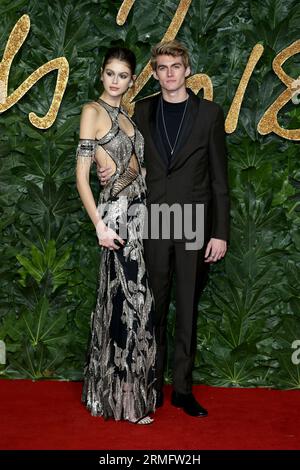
x: 116, y: 77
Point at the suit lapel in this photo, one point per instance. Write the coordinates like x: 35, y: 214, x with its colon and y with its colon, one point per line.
x: 154, y: 131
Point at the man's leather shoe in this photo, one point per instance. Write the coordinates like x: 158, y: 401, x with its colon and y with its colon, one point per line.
x: 159, y: 398
x: 189, y: 404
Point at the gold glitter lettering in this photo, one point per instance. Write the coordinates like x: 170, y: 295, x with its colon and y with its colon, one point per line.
x: 124, y: 11
x: 269, y: 121
x: 234, y: 111
x: 15, y: 41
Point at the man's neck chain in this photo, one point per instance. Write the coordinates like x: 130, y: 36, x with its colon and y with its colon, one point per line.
x: 180, y: 125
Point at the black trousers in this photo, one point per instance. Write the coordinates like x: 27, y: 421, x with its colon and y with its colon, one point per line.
x: 163, y: 259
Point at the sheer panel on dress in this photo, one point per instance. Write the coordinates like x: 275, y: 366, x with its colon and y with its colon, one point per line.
x: 126, y: 178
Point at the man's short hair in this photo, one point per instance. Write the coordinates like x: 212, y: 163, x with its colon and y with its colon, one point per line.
x: 173, y: 48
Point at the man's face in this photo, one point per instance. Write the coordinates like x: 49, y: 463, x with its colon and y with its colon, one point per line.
x: 171, y: 72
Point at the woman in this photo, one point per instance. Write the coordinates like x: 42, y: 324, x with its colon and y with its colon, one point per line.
x: 119, y: 372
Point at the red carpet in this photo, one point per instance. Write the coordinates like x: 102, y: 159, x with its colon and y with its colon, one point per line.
x: 49, y: 415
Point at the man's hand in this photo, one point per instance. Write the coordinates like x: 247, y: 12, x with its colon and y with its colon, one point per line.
x: 104, y: 173
x: 215, y: 250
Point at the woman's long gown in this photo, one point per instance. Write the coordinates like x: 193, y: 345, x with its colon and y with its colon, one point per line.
x: 119, y: 373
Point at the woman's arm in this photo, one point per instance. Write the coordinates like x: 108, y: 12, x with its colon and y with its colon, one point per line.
x: 85, y: 155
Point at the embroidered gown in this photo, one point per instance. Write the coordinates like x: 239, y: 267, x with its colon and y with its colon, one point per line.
x: 120, y: 365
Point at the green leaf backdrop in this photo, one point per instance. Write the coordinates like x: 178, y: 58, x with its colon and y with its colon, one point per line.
x: 249, y: 315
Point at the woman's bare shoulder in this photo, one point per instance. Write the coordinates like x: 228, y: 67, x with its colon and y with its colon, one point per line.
x: 92, y: 112
x: 92, y: 107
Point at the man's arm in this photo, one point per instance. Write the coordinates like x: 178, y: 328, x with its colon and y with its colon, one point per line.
x: 217, y: 245
x: 219, y: 179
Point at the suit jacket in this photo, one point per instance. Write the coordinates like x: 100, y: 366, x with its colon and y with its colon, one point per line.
x: 197, y: 172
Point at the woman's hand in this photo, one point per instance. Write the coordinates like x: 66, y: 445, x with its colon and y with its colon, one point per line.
x: 107, y: 237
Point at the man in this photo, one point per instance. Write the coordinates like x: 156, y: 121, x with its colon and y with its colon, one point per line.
x: 185, y: 159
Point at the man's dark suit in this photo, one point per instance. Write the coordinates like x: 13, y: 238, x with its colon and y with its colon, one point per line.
x: 197, y: 173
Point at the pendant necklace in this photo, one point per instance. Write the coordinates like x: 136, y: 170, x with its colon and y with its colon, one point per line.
x: 165, y: 127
